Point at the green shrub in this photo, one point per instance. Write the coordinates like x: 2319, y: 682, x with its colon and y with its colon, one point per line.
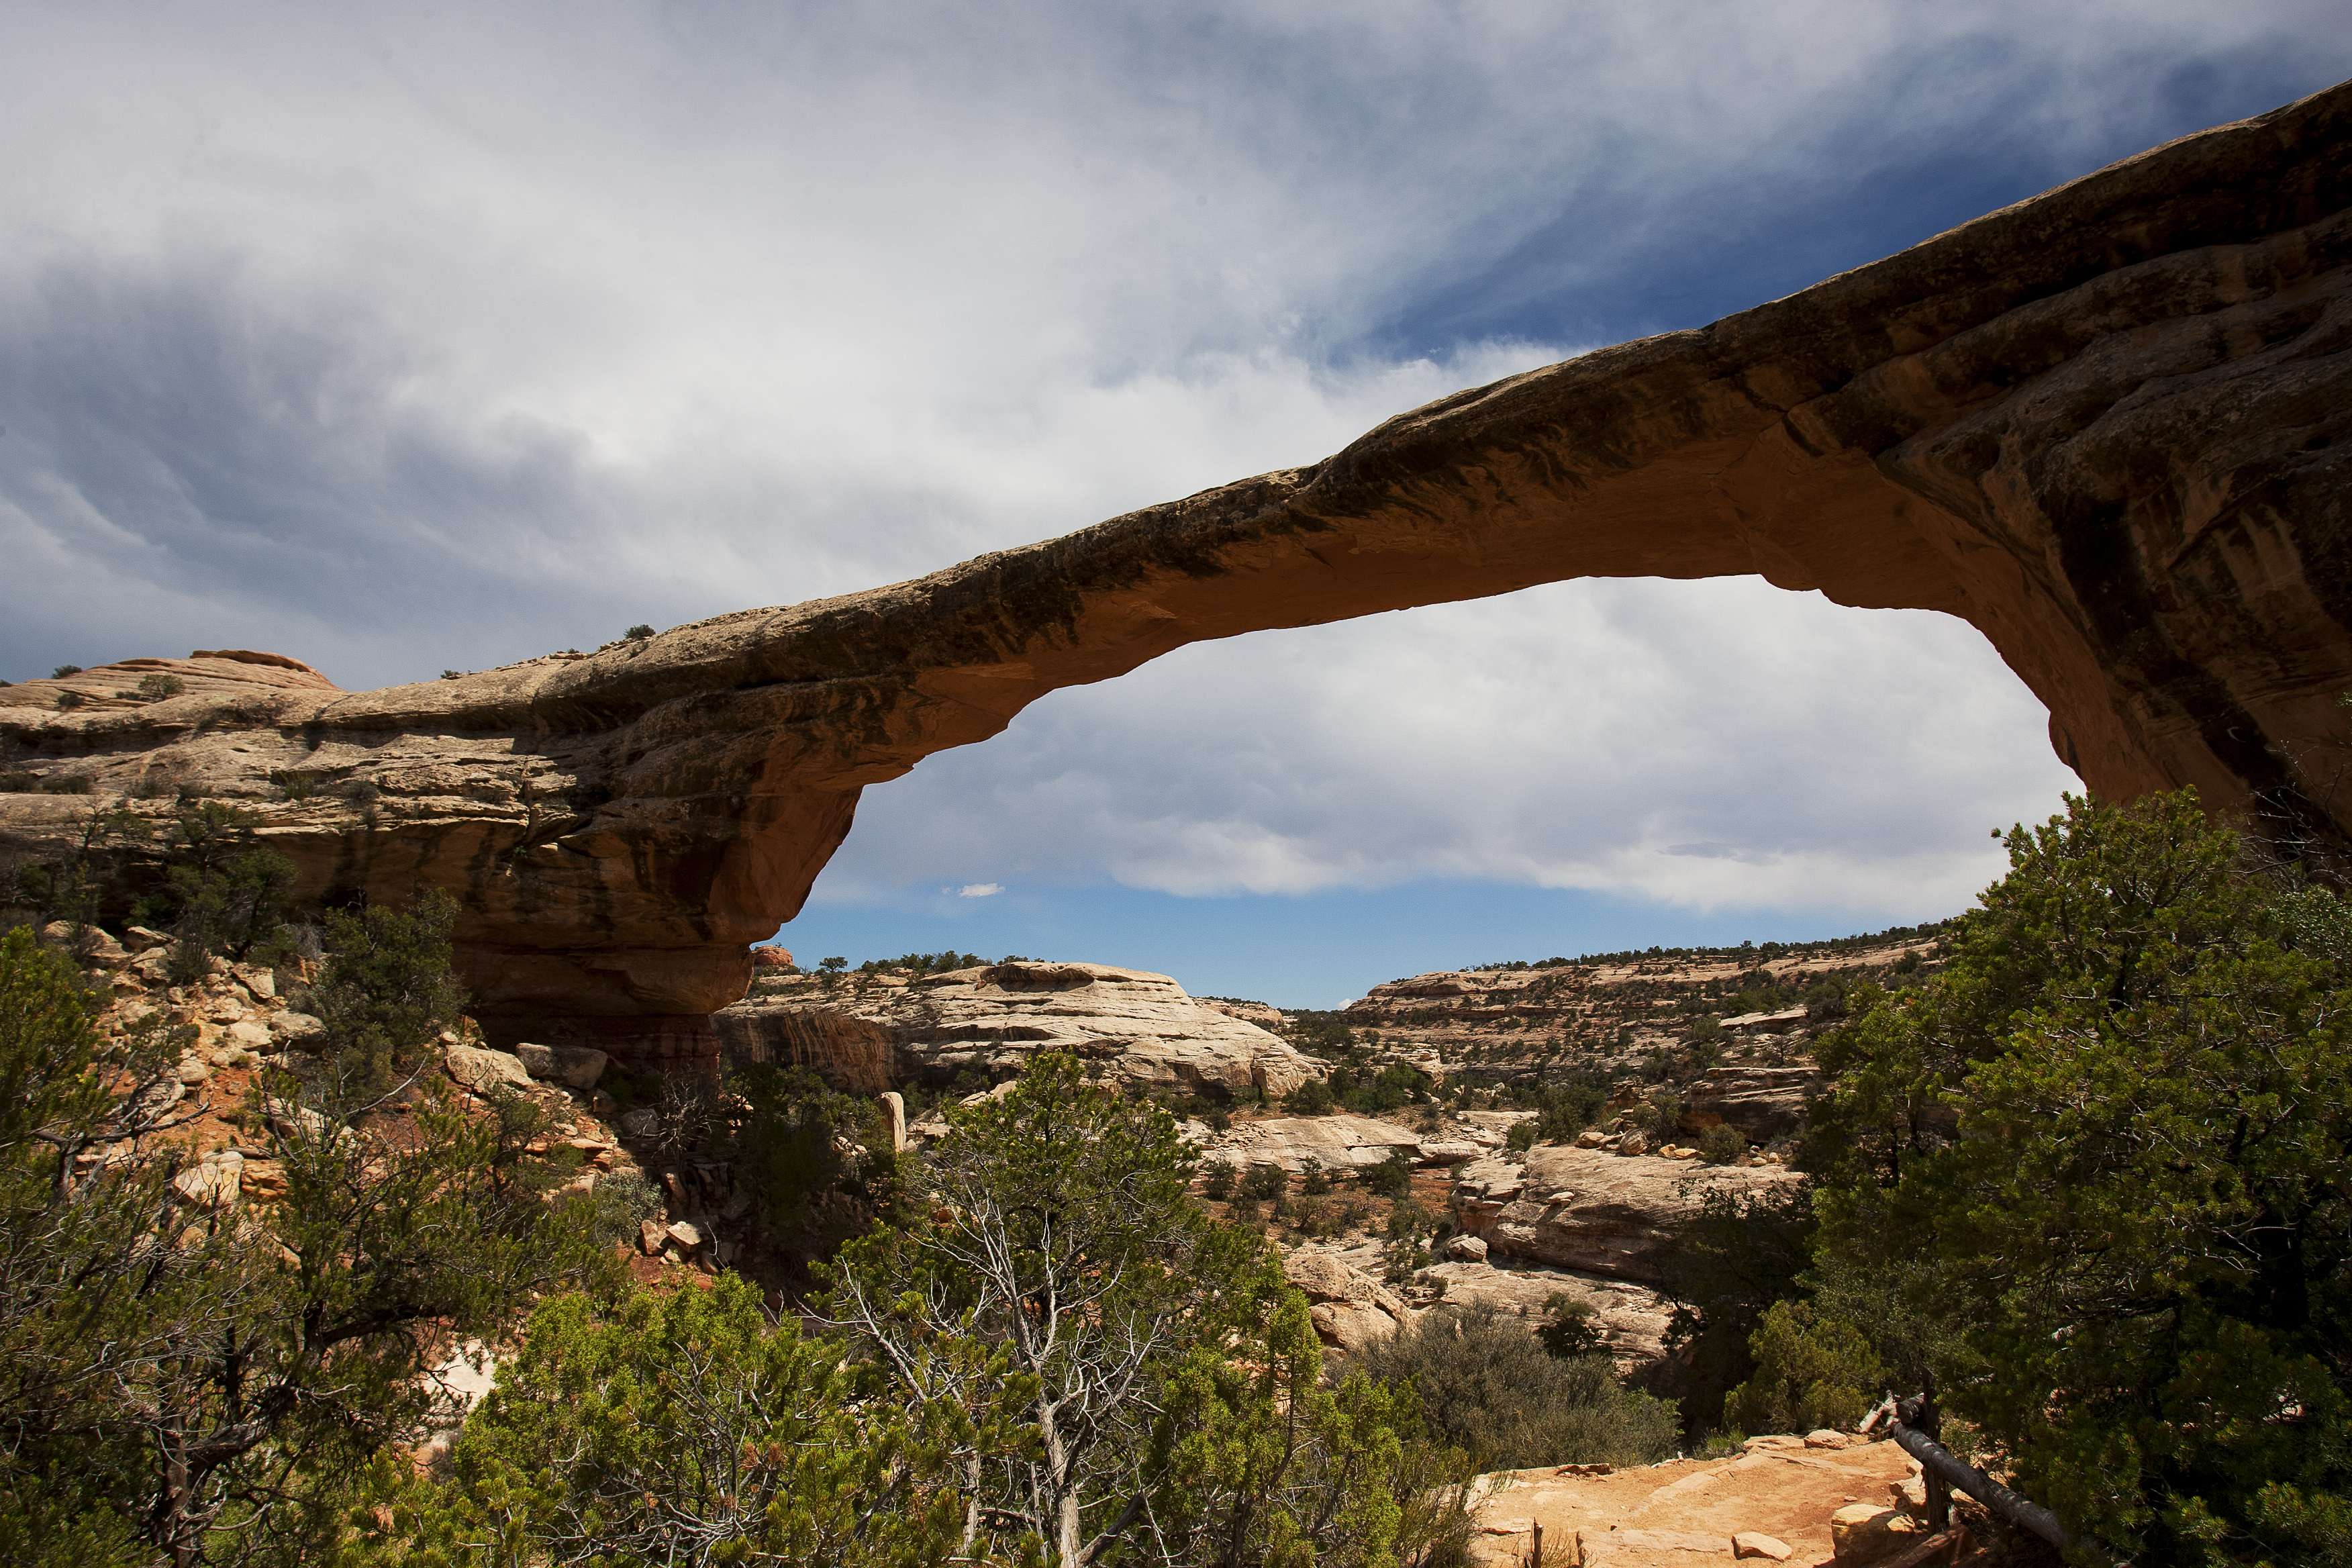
x: 1312, y: 1098
x: 1574, y: 1329
x: 1264, y: 1182
x: 1317, y: 1181
x: 1392, y: 1178
x: 1488, y: 1385
x: 2113, y: 1141
x: 1721, y: 1144
x: 1810, y: 1372
x: 158, y: 686
x: 1217, y: 1178
x: 638, y: 633
x: 387, y: 988
x: 67, y: 784
x: 70, y: 699
x: 63, y: 670
x: 1521, y: 1137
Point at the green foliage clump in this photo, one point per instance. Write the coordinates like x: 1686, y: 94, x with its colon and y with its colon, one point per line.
x: 1810, y: 1372
x: 186, y: 1381
x: 225, y: 896
x: 689, y: 1427
x: 1312, y: 1098
x: 1162, y: 1379
x: 2108, y: 1149
x: 158, y: 686
x: 1721, y: 1144
x: 817, y: 1161
x: 1392, y: 1178
x: 387, y: 988
x: 1488, y: 1385
x: 1564, y: 1106
x: 1738, y: 1255
x: 1574, y: 1329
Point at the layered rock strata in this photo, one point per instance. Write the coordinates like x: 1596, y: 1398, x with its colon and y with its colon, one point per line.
x: 2106, y: 426
x: 1596, y: 1213
x: 1141, y: 1028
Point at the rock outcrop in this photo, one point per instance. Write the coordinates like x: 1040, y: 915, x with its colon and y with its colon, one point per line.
x: 1350, y: 1310
x: 2108, y: 427
x: 1595, y: 1213
x: 1140, y: 1028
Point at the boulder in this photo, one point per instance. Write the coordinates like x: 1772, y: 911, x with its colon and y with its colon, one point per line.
x: 299, y: 1030
x: 1632, y: 1318
x: 1350, y: 1326
x: 214, y: 1179
x: 1465, y: 1249
x: 894, y: 1113
x: 91, y: 947
x: 1142, y: 1029
x: 1348, y: 1308
x: 1606, y: 1214
x: 1864, y: 1532
x: 1778, y: 1023
x: 1755, y: 1543
x: 575, y: 1067
x: 482, y: 1070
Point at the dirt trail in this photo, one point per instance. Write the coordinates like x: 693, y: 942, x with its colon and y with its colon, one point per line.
x: 1680, y: 1513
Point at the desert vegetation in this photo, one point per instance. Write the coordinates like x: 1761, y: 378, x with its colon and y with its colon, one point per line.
x: 2079, y: 1169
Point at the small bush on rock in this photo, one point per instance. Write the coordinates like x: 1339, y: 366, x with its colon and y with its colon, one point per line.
x: 1312, y: 1098
x: 1488, y: 1385
x: 1810, y: 1372
x: 1721, y: 1144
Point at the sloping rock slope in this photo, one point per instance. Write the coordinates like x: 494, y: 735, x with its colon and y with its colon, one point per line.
x: 2108, y: 427
x: 1140, y: 1028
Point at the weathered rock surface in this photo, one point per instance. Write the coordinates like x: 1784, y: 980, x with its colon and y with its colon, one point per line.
x: 575, y: 1067
x: 1763, y: 1102
x: 1338, y: 1142
x: 1632, y: 1318
x: 1142, y: 1027
x: 2108, y: 427
x: 1348, y: 1308
x: 1679, y: 1514
x: 1598, y: 1213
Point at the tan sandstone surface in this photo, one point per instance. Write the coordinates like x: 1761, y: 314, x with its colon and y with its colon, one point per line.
x: 1598, y: 1212
x: 1684, y: 1513
x: 2105, y: 425
x: 1139, y: 1029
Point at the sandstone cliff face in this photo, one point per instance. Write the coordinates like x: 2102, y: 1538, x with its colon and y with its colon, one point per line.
x: 1598, y: 1213
x: 2108, y: 427
x: 1141, y: 1028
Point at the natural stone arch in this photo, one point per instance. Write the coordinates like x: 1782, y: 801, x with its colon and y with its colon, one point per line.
x: 2106, y: 427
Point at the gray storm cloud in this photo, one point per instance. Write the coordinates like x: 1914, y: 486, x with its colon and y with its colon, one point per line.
x: 398, y: 342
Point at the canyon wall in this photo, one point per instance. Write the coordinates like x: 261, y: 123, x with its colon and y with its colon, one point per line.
x: 2106, y: 426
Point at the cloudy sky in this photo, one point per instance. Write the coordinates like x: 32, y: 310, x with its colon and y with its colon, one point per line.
x: 400, y: 337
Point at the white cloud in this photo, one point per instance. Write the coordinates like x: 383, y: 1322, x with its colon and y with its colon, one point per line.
x: 1705, y: 743
x: 980, y: 890
x: 399, y: 342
